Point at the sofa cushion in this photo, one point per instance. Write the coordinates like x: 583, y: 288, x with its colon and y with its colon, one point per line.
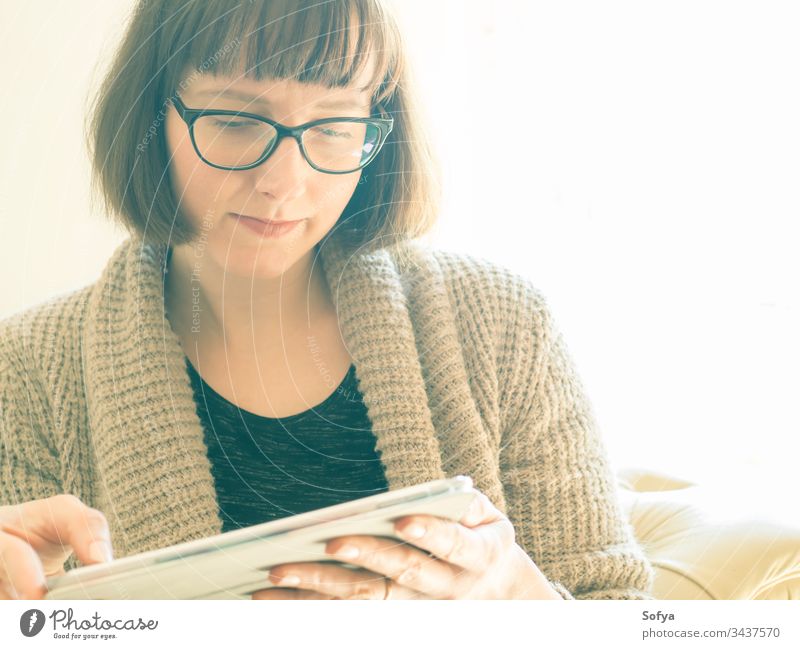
x: 712, y: 543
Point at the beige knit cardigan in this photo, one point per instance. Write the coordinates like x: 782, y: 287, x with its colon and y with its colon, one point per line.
x: 461, y: 369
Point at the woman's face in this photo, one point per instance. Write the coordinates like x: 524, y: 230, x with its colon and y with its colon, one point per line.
x: 284, y: 187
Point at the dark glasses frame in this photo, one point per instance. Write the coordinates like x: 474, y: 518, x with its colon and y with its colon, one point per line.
x: 384, y: 124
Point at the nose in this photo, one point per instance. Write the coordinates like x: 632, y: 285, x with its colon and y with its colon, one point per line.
x: 283, y: 173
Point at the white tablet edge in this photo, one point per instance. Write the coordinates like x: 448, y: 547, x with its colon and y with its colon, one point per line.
x: 227, y: 575
x: 219, y: 542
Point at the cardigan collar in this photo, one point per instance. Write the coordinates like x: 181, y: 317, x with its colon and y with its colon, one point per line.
x: 155, y: 481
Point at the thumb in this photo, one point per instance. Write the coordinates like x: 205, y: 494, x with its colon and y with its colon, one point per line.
x: 85, y: 529
x: 480, y: 511
x: 65, y: 520
x: 36, y: 537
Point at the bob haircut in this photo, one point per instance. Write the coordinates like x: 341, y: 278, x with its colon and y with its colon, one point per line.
x: 398, y: 196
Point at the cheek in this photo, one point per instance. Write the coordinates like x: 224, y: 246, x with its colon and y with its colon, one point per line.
x: 195, y: 185
x: 334, y: 194
x: 192, y: 179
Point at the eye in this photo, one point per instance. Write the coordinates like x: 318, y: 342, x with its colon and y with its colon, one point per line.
x: 335, y: 134
x: 237, y: 124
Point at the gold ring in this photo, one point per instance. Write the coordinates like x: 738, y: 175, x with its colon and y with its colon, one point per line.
x: 387, y: 582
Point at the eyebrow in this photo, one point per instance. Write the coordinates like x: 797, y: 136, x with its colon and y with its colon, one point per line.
x: 244, y: 96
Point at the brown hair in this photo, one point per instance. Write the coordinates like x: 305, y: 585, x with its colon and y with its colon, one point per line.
x: 305, y: 40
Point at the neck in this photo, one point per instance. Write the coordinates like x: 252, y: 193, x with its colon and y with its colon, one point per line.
x: 243, y: 314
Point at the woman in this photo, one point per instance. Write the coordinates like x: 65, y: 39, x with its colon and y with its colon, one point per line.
x: 225, y: 370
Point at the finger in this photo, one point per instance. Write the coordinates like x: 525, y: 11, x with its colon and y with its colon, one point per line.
x: 408, y: 566
x: 339, y: 582
x: 472, y: 549
x: 21, y: 572
x: 289, y: 593
x: 63, y: 520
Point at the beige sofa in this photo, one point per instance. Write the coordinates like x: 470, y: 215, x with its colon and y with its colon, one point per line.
x: 712, y: 542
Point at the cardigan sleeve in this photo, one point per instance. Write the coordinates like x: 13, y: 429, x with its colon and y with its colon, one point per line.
x: 559, y: 486
x: 29, y: 464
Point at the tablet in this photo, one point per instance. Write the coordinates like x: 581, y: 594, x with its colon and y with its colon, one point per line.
x: 235, y: 564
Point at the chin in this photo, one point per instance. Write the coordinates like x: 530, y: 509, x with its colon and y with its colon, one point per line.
x: 267, y: 263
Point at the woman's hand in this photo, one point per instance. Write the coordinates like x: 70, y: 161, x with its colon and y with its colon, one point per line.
x: 38, y: 536
x: 474, y: 558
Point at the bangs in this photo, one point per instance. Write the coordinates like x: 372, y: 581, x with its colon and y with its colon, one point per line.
x: 328, y: 43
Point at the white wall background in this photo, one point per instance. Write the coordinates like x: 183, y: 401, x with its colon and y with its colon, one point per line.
x: 50, y: 242
x: 638, y: 160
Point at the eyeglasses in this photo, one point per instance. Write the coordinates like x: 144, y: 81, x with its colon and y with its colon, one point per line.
x: 234, y: 140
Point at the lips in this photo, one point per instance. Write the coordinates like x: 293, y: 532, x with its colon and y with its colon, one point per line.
x: 267, y: 221
x: 266, y: 228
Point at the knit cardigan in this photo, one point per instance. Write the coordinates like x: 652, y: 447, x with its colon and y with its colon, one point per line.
x: 460, y: 364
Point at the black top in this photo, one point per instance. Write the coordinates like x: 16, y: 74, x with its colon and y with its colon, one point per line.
x: 266, y: 468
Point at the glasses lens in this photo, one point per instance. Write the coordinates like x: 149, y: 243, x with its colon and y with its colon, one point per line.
x: 341, y: 146
x: 231, y: 141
